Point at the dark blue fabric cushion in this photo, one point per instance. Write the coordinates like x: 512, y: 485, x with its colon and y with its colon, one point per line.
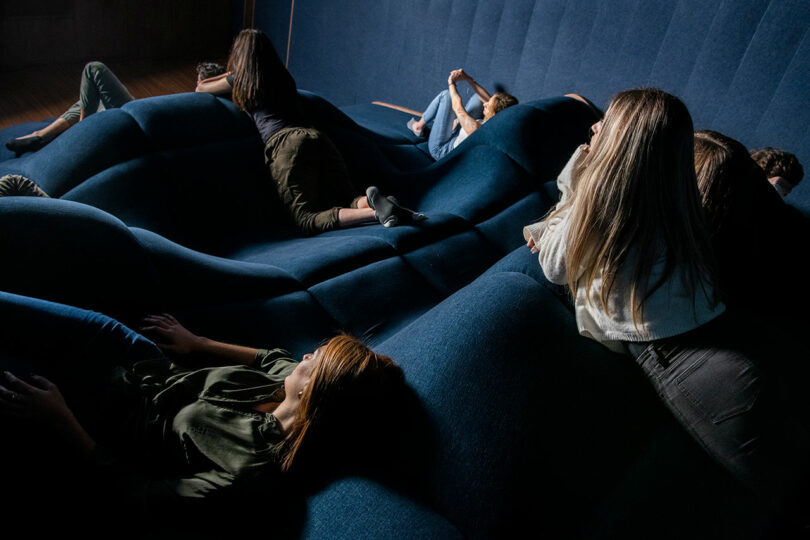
x: 375, y: 301
x: 359, y: 508
x: 75, y: 254
x: 102, y: 140
x: 513, y: 395
x: 193, y: 279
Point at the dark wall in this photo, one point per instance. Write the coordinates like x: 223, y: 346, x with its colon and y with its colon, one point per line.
x: 52, y: 31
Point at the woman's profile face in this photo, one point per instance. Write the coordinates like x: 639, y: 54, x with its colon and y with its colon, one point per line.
x: 595, y: 129
x: 299, y: 378
x: 489, y: 107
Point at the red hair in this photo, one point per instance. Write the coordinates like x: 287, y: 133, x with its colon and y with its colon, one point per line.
x: 350, y: 383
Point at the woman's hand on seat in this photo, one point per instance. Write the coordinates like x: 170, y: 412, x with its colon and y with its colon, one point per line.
x: 41, y: 401
x: 169, y: 334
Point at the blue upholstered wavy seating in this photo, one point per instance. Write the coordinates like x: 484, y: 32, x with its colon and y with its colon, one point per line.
x: 175, y: 213
x: 165, y: 204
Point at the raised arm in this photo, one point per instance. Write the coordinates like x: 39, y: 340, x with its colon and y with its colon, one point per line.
x: 468, y: 123
x: 480, y: 90
x: 173, y: 337
x: 218, y: 85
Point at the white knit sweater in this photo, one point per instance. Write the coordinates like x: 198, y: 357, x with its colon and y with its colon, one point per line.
x: 668, y: 312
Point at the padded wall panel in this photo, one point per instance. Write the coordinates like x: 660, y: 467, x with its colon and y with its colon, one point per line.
x: 509, y: 39
x: 789, y: 110
x: 739, y: 65
x: 716, y: 64
x: 645, y: 27
x: 768, y: 55
x: 535, y: 56
x: 571, y: 49
x: 680, y: 47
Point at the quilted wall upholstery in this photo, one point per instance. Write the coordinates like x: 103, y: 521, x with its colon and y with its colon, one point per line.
x: 740, y: 65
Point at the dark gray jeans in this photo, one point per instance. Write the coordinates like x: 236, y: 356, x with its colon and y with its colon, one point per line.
x: 100, y: 89
x: 714, y: 381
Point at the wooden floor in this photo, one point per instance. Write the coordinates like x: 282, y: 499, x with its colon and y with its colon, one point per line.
x: 35, y: 93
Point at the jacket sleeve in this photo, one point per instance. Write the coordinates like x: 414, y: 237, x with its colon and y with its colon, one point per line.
x: 275, y: 362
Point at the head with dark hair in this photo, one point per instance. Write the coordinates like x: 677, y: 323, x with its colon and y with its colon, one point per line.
x: 342, y: 404
x: 206, y: 70
x: 725, y: 175
x: 260, y: 80
x: 498, y: 102
x: 782, y: 168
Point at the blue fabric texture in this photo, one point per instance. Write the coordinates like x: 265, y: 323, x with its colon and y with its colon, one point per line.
x: 738, y: 66
x: 166, y: 204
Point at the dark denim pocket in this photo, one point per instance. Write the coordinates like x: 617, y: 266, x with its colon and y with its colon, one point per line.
x: 721, y: 383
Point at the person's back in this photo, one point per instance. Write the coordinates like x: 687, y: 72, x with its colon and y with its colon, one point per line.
x: 753, y: 230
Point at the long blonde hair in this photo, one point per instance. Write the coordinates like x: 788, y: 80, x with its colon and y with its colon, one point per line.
x: 636, y: 190
x: 349, y: 387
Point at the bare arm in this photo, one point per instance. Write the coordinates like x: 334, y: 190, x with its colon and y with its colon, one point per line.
x: 468, y: 123
x: 173, y: 337
x: 480, y: 90
x: 215, y: 85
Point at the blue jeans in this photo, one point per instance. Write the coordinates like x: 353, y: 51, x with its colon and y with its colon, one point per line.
x: 100, y: 89
x: 440, y: 112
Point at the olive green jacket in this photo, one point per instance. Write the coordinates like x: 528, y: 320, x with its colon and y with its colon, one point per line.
x: 193, y: 432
